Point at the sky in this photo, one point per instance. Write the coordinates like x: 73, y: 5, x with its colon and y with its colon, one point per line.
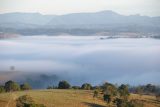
x: 58, y: 7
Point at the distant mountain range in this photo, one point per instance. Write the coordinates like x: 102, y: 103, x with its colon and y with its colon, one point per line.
x: 77, y: 23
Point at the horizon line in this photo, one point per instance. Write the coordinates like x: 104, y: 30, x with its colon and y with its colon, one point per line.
x: 139, y: 14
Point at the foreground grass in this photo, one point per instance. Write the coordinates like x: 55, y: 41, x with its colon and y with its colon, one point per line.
x: 67, y: 98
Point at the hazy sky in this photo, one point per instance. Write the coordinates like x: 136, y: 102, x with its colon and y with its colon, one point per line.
x: 144, y: 7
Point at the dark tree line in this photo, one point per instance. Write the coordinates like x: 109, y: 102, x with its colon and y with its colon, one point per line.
x: 11, y: 86
x: 148, y: 89
x: 66, y: 85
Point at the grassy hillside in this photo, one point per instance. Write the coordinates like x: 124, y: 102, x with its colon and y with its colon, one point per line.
x: 67, y: 98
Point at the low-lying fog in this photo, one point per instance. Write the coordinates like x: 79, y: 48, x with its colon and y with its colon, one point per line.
x: 80, y: 59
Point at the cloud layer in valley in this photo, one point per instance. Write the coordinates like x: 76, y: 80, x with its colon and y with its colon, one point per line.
x: 84, y: 59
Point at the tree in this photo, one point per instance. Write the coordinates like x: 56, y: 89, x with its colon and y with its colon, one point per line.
x: 109, y: 91
x: 11, y: 86
x: 86, y: 86
x: 149, y: 88
x: 123, y: 91
x: 64, y: 85
x: 109, y: 88
x: 25, y: 86
x: 2, y: 89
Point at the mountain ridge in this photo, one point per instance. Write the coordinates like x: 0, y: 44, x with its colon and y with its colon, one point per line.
x: 90, y: 22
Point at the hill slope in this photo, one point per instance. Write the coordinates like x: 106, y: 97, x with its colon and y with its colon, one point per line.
x: 67, y: 98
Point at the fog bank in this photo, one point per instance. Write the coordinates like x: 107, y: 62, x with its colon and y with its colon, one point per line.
x: 84, y: 59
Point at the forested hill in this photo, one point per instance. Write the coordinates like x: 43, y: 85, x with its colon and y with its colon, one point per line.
x: 77, y: 23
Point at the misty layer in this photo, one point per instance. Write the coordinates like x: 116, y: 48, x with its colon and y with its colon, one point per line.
x: 82, y: 59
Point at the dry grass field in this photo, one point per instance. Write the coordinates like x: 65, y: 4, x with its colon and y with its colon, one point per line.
x: 67, y: 98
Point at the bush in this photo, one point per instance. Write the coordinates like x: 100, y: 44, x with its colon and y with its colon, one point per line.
x: 24, y: 100
x: 124, y: 103
x: 2, y: 89
x: 49, y: 87
x: 11, y: 86
x: 95, y: 94
x: 27, y: 101
x: 158, y: 97
x: 96, y: 88
x: 86, y: 86
x: 139, y: 90
x: 120, y: 102
x: 135, y: 103
x: 107, y: 98
x: 25, y: 86
x: 63, y: 85
x: 34, y: 105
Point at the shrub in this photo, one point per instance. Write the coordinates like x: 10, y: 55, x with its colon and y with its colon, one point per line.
x: 120, y: 102
x: 158, y: 97
x: 49, y: 87
x: 2, y: 89
x: 27, y: 101
x: 123, y: 91
x: 125, y: 103
x: 107, y: 98
x: 34, y: 105
x: 96, y: 88
x: 63, y: 85
x: 135, y: 103
x: 95, y: 94
x: 139, y: 90
x: 24, y: 101
x: 76, y: 87
x: 25, y: 86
